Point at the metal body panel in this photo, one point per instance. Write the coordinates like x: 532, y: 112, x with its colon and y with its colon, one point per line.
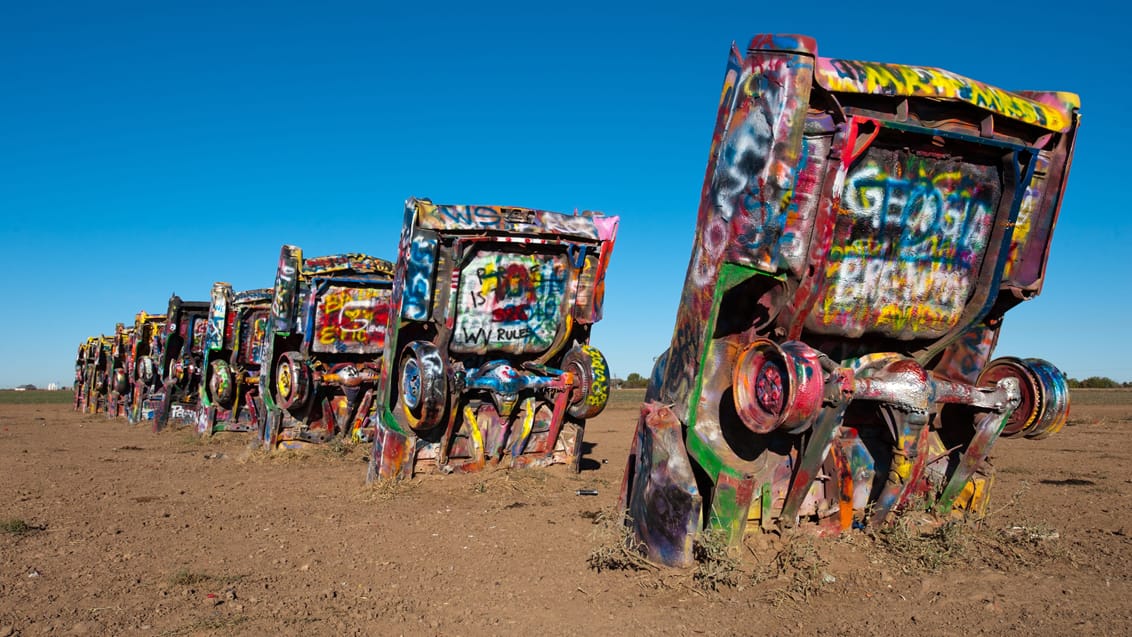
x: 862, y: 230
x: 175, y: 399
x: 231, y: 364
x: 487, y: 350
x: 325, y: 336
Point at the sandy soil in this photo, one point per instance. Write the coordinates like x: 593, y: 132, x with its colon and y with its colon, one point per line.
x: 110, y: 529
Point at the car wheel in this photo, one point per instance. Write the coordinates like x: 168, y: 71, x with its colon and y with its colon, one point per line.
x: 590, y: 392
x: 292, y: 381
x: 422, y: 389
x: 221, y: 387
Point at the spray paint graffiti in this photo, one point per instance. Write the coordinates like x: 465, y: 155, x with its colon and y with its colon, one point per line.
x: 200, y: 330
x: 181, y: 353
x: 599, y: 386
x: 283, y: 297
x: 909, y: 242
x: 321, y: 361
x: 853, y: 229
x: 228, y: 389
x: 351, y: 319
x: 417, y: 294
x: 510, y: 302
x: 506, y: 219
x: 145, y: 351
x: 253, y: 333
x: 489, y: 360
x: 1020, y: 266
x: 895, y: 79
x: 910, y: 238
x: 217, y: 315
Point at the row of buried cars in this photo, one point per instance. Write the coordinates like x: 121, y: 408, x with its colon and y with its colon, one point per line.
x: 863, y: 229
x: 486, y: 317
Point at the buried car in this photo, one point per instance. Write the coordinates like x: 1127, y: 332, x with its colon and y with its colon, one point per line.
x: 233, y: 352
x: 143, y: 365
x: 863, y: 230
x: 176, y: 399
x: 488, y: 355
x: 117, y: 372
x: 95, y: 387
x: 325, y: 338
x: 84, y: 372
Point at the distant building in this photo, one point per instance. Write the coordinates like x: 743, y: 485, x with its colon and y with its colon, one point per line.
x: 52, y: 386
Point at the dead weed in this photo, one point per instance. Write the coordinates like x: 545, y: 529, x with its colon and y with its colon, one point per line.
x: 1020, y: 544
x: 185, y: 577
x: 191, y: 578
x: 924, y: 547
x: 18, y: 527
x: 795, y: 574
x: 525, y: 482
x: 717, y: 566
x: 345, y: 448
x: 615, y: 547
x: 386, y: 490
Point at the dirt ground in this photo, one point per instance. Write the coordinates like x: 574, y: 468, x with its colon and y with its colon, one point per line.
x: 109, y: 529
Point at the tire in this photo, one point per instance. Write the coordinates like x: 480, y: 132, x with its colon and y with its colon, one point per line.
x: 221, y: 385
x: 121, y: 383
x: 1044, y: 406
x: 422, y: 385
x: 777, y: 386
x: 292, y: 381
x: 146, y: 371
x: 590, y: 392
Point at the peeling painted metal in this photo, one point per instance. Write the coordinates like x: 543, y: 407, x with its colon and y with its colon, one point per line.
x: 146, y: 345
x: 863, y: 229
x: 487, y: 351
x: 177, y: 399
x: 322, y: 349
x: 233, y: 355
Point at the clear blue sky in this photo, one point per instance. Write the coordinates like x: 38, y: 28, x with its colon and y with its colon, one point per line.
x: 155, y: 147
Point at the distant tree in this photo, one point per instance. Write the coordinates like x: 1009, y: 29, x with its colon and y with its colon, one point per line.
x: 1099, y: 382
x: 28, y: 387
x: 635, y: 380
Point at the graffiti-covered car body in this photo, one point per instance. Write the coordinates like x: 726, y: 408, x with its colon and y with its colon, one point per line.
x: 488, y: 355
x: 84, y: 372
x: 863, y: 229
x: 96, y: 385
x: 233, y: 352
x: 177, y: 400
x: 326, y: 335
x: 144, y: 366
x: 117, y: 373
x: 78, y: 385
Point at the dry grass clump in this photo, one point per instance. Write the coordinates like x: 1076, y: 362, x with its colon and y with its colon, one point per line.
x: 795, y: 573
x: 191, y: 578
x: 1020, y: 545
x: 386, y: 490
x: 521, y: 481
x: 18, y: 526
x: 616, y: 548
x: 185, y: 577
x: 717, y: 566
x: 924, y: 548
x: 346, y: 448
